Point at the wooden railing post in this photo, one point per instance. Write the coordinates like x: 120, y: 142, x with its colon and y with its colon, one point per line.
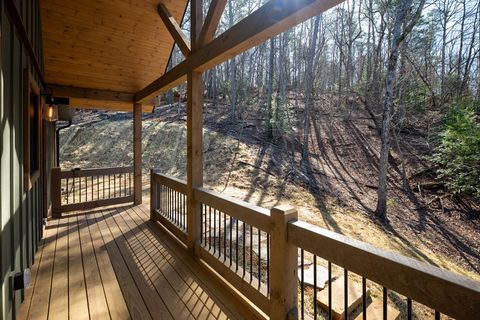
x: 284, y: 260
x: 56, y: 192
x: 137, y: 153
x: 153, y: 194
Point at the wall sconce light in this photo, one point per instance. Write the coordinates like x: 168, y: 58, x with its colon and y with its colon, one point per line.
x: 51, y: 112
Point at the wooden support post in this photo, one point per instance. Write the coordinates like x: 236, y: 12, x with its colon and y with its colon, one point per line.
x: 194, y: 154
x: 56, y: 192
x: 194, y: 133
x: 283, y: 281
x: 153, y: 195
x: 137, y: 153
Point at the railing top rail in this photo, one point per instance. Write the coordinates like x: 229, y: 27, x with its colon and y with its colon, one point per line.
x: 444, y: 291
x: 171, y: 182
x: 253, y: 215
x: 75, y: 173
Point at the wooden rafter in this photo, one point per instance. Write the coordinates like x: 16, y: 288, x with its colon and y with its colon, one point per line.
x: 211, y: 22
x: 175, y: 30
x: 269, y: 20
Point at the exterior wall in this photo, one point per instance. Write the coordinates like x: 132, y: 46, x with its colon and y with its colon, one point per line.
x: 21, y: 211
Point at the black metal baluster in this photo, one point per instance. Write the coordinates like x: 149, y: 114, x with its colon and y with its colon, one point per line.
x: 437, y: 315
x: 66, y: 190
x: 302, y: 284
x: 364, y: 298
x: 214, y: 230
x: 92, y: 188
x: 236, y: 246
x: 73, y: 190
x: 209, y: 228
x: 224, y: 237
x: 314, y: 287
x: 329, y: 290
x: 259, y: 257
x: 268, y: 262
x: 201, y: 222
x: 244, y: 238
x: 345, y: 284
x: 409, y: 309
x: 231, y: 235
x: 385, y: 303
x: 251, y: 253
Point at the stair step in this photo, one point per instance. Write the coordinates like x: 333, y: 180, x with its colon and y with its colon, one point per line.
x: 308, y: 277
x: 375, y: 312
x: 338, y: 301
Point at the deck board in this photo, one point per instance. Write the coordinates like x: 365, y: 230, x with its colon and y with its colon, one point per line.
x: 115, y: 264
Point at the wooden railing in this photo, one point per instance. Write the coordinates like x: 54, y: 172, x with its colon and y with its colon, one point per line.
x: 90, y: 188
x: 262, y: 254
x: 168, y: 202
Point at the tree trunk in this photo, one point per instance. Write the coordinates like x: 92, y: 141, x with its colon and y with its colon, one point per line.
x: 397, y: 39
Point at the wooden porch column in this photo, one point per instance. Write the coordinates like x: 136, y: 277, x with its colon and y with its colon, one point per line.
x: 194, y: 133
x: 137, y: 153
x: 283, y: 258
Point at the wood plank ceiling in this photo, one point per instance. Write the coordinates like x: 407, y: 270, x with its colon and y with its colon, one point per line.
x: 99, y: 53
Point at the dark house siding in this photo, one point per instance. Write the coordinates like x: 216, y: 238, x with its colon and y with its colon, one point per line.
x: 21, y: 211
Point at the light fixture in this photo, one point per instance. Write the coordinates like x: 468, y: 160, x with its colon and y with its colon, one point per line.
x: 51, y: 111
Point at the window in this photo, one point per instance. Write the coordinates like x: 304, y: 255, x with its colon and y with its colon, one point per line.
x: 31, y: 131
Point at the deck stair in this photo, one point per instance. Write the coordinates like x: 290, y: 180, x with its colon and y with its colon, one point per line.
x: 375, y: 312
x: 338, y: 293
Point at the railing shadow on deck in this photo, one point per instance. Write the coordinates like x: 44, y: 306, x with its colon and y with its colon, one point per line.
x: 164, y: 282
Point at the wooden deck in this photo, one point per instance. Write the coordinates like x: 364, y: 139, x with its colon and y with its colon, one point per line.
x: 115, y: 263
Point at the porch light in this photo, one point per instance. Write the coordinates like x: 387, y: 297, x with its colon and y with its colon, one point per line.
x: 51, y: 112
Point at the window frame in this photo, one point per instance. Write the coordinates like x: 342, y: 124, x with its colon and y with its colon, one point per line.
x: 31, y: 86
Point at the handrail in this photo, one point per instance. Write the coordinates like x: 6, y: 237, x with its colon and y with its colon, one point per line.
x: 171, y: 182
x: 241, y: 210
x: 441, y: 290
x: 77, y: 173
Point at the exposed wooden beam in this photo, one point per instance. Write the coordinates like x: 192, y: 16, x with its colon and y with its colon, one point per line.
x: 88, y: 98
x: 211, y: 22
x: 89, y: 93
x: 174, y: 29
x: 266, y: 22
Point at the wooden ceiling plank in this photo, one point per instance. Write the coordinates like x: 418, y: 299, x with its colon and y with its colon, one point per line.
x: 113, y: 45
x: 175, y: 30
x: 99, y: 62
x: 75, y: 49
x: 212, y: 20
x: 269, y: 20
